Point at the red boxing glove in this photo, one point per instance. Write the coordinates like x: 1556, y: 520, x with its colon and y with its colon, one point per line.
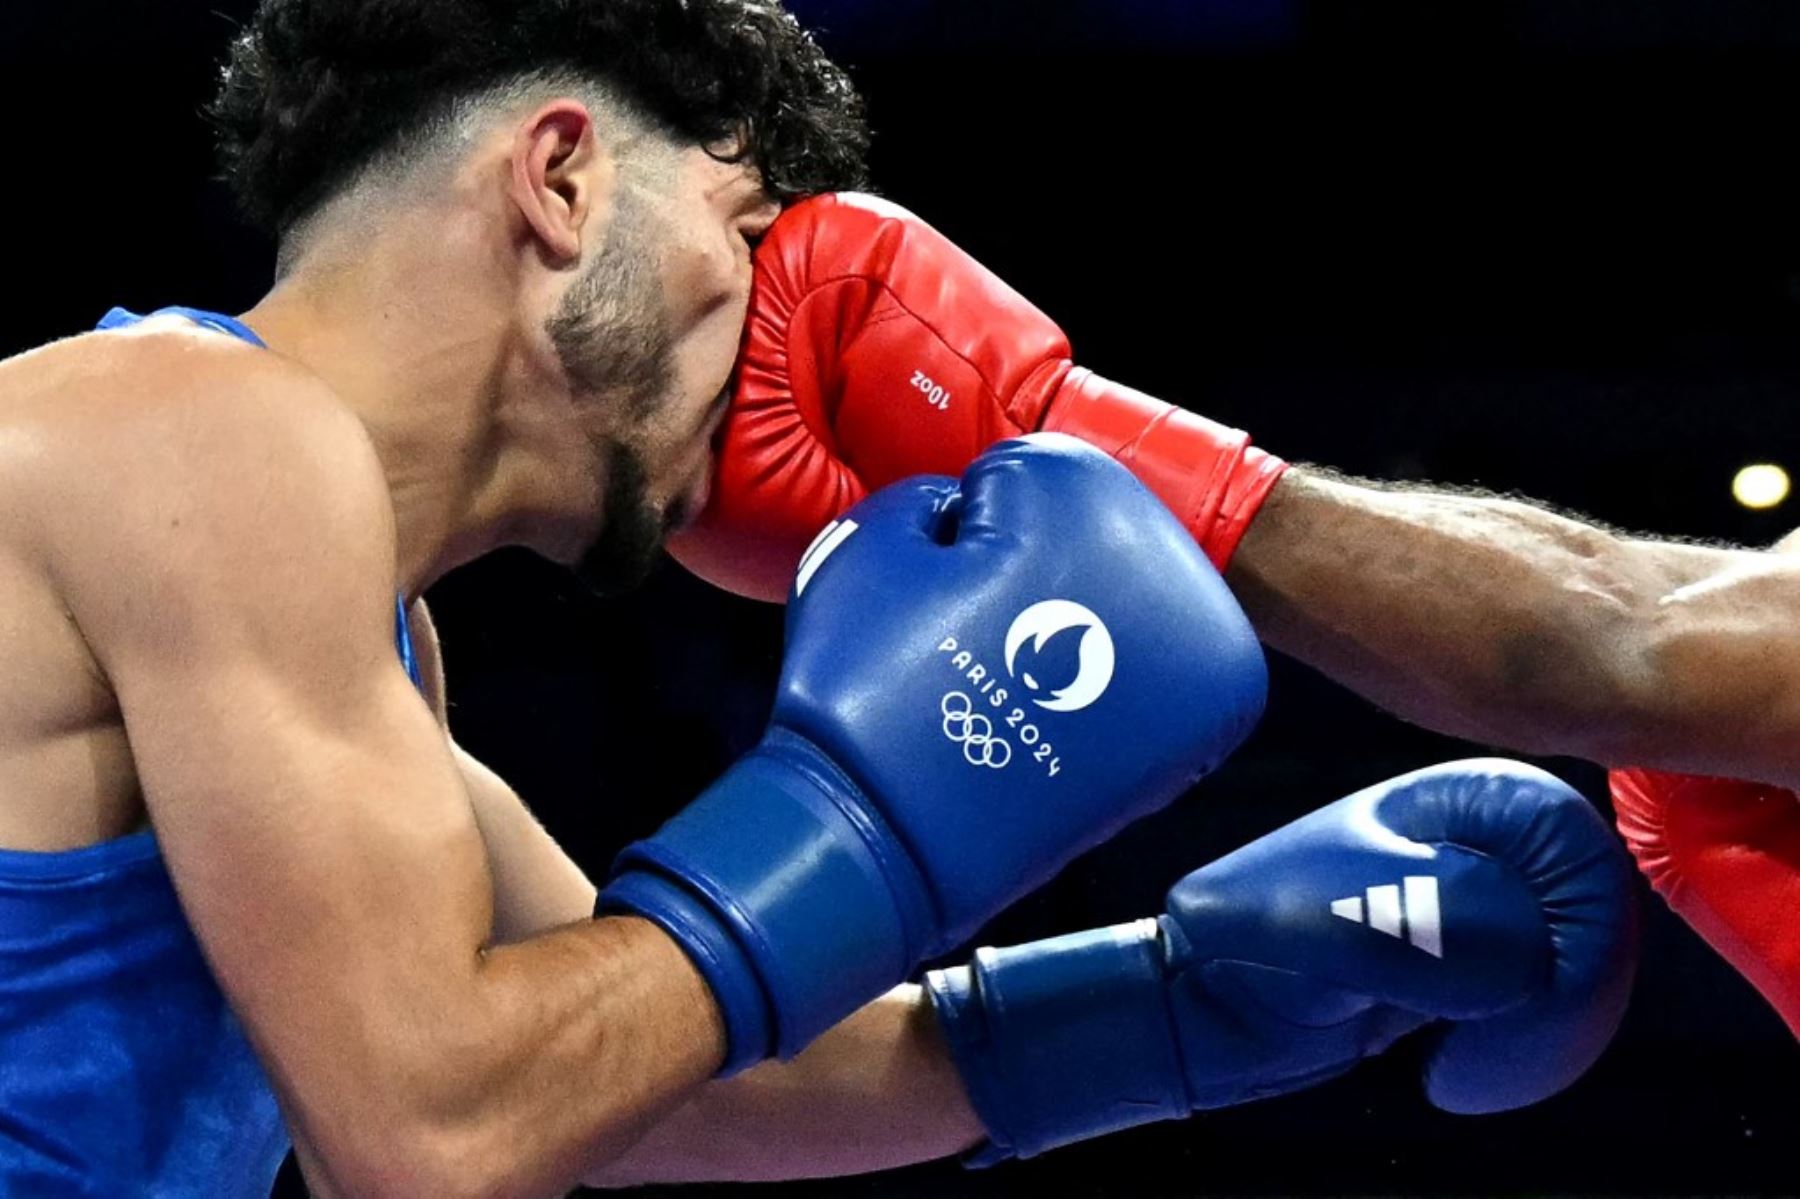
x: 1726, y: 857
x: 877, y: 350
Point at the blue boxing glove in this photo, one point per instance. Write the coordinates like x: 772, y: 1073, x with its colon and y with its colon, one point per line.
x: 1485, y: 899
x: 981, y: 681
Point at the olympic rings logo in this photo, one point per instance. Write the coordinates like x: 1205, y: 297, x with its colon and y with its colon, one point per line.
x: 974, y: 732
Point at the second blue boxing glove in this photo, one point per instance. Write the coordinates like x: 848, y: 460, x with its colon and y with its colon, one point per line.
x: 1484, y: 899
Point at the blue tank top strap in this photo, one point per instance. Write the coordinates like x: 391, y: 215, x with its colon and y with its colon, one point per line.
x: 219, y: 321
x: 404, y: 642
x: 121, y: 318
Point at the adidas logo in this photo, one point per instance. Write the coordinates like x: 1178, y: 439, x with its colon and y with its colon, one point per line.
x: 1408, y: 912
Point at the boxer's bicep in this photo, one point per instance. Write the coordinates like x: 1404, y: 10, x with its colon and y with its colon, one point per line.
x: 234, y: 576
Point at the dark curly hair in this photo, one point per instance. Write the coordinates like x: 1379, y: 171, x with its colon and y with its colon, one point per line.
x: 315, y: 91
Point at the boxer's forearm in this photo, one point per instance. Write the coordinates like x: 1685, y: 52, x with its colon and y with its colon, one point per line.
x: 876, y: 1092
x: 1507, y: 624
x: 569, y: 1047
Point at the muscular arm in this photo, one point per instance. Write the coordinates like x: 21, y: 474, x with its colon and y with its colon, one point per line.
x: 1505, y: 623
x: 222, y: 539
x: 876, y: 1092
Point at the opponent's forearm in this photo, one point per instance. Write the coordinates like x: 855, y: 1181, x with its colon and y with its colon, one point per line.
x: 876, y: 1092
x: 1472, y: 615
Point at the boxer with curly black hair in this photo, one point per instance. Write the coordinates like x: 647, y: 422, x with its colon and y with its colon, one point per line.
x: 248, y: 889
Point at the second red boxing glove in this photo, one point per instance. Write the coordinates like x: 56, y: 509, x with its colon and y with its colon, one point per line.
x: 1726, y: 857
x: 876, y: 350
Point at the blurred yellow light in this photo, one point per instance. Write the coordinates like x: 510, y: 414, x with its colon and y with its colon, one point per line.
x: 1761, y: 486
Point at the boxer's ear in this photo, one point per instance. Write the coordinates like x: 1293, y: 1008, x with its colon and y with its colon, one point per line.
x: 559, y: 170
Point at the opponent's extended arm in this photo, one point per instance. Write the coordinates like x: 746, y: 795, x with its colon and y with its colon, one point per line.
x: 878, y: 348
x: 1502, y: 622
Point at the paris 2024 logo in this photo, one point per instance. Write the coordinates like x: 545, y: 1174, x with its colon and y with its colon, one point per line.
x: 986, y: 737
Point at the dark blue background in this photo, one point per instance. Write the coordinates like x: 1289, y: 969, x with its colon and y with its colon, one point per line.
x: 1540, y: 246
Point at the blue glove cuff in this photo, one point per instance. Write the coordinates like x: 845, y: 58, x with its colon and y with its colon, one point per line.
x: 797, y: 908
x: 1062, y: 1040
x: 737, y: 990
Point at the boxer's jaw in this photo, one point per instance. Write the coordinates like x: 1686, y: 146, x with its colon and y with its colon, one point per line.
x: 650, y: 338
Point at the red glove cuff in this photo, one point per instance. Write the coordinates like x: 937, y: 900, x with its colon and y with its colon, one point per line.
x: 1209, y: 475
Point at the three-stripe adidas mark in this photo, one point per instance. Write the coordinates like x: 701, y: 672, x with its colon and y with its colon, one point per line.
x: 1408, y: 911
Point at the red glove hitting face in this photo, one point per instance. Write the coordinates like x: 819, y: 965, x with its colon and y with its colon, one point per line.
x: 1726, y: 856
x: 877, y: 350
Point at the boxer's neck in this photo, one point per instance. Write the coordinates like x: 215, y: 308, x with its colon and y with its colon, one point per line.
x: 480, y: 446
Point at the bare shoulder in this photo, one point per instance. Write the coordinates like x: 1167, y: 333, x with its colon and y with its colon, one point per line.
x: 150, y: 466
x: 131, y: 399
